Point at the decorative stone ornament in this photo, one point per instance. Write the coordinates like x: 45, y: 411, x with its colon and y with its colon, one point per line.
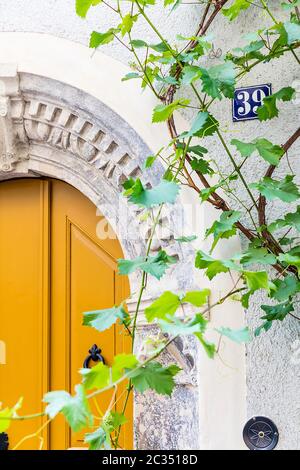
x: 13, y: 139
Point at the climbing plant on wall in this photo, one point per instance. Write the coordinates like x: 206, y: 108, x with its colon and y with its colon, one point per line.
x: 178, y: 76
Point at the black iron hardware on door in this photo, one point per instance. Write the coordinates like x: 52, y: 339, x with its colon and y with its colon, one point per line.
x: 4, y: 442
x: 95, y: 355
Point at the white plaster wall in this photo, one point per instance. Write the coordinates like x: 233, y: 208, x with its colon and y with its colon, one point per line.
x: 273, y: 379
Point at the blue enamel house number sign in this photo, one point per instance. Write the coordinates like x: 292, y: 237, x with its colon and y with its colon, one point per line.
x: 246, y: 101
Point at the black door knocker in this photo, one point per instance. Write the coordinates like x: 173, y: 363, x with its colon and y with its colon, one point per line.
x: 95, y: 355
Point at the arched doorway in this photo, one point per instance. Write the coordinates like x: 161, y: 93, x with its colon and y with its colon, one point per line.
x: 53, y: 267
x: 83, y: 129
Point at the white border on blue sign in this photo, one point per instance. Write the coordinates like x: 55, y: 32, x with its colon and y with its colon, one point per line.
x: 234, y: 119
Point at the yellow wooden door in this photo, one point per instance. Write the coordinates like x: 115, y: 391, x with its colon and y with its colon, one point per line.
x: 53, y: 267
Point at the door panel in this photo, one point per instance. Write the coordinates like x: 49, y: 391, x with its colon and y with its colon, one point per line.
x: 92, y: 283
x: 52, y: 269
x: 24, y: 300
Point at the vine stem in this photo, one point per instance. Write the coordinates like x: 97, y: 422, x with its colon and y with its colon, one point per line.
x: 268, y: 11
x: 144, y: 275
x: 236, y: 167
x: 134, y: 327
x: 22, y: 418
x: 266, y: 8
x: 220, y: 202
x: 30, y: 436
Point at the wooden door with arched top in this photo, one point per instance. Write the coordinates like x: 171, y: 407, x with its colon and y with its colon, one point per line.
x: 53, y: 267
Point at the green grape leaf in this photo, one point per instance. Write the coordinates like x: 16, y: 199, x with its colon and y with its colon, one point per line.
x: 285, y: 190
x: 7, y: 413
x: 245, y: 299
x: 264, y: 327
x: 150, y: 74
x: 175, y: 326
x: 257, y: 256
x: 200, y: 165
x: 269, y: 152
x: 99, y: 39
x: 291, y: 5
x: 149, y: 161
x: 245, y: 149
x: 269, y: 108
x: 235, y: 9
x: 293, y: 32
x: 5, y: 419
x: 83, y: 6
x: 197, y: 150
x: 130, y: 76
x: 163, y: 112
x: 154, y: 265
x: 147, y: 2
x: 123, y: 362
x: 167, y: 79
x: 256, y: 280
x: 197, y: 125
x: 186, y: 239
x: 161, y: 47
x: 164, y: 192
x: 291, y: 219
x: 190, y: 73
x: 169, y: 2
x: 209, y: 128
x: 115, y: 419
x: 101, y: 320
x: 99, y: 439
x: 74, y: 408
x: 273, y: 313
x: 197, y: 298
x: 155, y: 377
x: 277, y: 312
x: 291, y: 259
x: 225, y: 227
x: 127, y: 23
x: 285, y: 288
x: 238, y: 336
x: 165, y: 305
x: 218, y: 80
x: 138, y: 43
x: 96, y: 377
x: 213, y: 266
x: 204, y: 125
x: 209, y: 348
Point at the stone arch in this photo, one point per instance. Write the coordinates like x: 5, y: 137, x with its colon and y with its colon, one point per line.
x: 48, y: 128
x: 52, y: 129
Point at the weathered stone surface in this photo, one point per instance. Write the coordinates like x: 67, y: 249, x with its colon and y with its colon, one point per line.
x: 163, y: 423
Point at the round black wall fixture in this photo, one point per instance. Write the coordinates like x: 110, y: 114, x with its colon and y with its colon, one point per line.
x: 260, y: 433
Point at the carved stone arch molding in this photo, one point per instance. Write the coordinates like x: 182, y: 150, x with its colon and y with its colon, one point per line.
x: 52, y: 129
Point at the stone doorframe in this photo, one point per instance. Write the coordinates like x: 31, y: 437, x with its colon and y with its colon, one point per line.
x: 48, y: 128
x: 65, y: 130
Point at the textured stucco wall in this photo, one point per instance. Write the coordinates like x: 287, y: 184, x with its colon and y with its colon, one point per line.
x: 273, y: 373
